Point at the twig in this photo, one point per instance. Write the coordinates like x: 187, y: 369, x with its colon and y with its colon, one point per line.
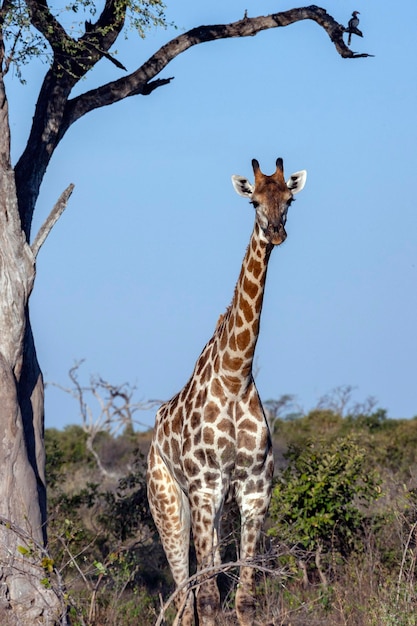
x: 73, y: 559
x: 51, y: 220
x: 404, y: 556
x: 23, y: 534
x: 208, y: 572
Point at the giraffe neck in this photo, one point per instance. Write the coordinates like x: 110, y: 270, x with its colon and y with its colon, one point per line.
x: 238, y: 328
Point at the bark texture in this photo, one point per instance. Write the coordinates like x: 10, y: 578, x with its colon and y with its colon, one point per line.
x: 23, y: 597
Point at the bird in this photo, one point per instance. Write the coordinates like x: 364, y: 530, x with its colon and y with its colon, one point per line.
x: 353, y: 25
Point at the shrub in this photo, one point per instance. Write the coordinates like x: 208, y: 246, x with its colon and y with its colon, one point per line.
x: 319, y: 500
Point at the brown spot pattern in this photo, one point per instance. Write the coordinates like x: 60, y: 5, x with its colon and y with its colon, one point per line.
x: 243, y: 339
x: 217, y: 390
x: 248, y: 425
x: 232, y: 363
x: 211, y: 411
x: 250, y: 288
x: 246, y: 308
x: 208, y: 436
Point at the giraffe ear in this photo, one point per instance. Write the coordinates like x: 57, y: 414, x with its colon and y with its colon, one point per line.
x: 297, y: 181
x: 243, y: 186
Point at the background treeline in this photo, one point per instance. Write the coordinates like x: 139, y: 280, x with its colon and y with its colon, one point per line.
x: 340, y: 546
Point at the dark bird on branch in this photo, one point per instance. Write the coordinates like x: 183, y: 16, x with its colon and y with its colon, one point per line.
x: 353, y: 26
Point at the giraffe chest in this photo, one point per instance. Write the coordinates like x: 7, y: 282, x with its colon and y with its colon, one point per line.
x: 215, y: 445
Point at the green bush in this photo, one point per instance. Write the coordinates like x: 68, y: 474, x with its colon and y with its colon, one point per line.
x: 320, y: 499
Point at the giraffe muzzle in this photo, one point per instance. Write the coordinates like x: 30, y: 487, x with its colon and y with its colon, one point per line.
x: 276, y: 233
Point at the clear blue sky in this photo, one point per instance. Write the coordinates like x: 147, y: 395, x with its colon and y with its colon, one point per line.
x: 146, y: 256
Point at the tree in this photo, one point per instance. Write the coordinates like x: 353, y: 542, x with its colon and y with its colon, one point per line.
x: 27, y: 28
x: 116, y: 410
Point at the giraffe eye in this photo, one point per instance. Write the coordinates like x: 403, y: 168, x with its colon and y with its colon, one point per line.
x: 254, y: 204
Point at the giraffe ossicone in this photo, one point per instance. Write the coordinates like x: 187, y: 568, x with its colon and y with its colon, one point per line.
x: 211, y: 441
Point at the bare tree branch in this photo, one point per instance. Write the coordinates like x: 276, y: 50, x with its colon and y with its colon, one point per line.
x: 116, y: 409
x: 337, y: 400
x: 139, y: 82
x: 51, y: 220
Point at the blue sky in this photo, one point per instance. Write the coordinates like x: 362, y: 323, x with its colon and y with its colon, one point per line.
x: 135, y: 274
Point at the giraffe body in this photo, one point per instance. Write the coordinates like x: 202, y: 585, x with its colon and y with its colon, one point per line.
x: 211, y: 441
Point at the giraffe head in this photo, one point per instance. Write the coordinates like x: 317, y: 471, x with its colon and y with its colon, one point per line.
x: 271, y: 196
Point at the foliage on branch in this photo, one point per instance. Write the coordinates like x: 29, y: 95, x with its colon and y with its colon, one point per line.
x: 34, y: 29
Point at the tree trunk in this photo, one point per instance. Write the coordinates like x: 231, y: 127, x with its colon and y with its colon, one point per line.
x: 26, y: 595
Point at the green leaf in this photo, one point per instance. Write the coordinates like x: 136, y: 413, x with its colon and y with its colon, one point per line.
x: 100, y: 568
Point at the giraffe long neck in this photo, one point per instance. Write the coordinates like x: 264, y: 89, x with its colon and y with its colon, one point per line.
x: 238, y: 329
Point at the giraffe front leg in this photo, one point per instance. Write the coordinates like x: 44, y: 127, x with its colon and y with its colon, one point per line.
x: 253, y: 511
x: 205, y: 522
x: 245, y: 594
x: 171, y: 514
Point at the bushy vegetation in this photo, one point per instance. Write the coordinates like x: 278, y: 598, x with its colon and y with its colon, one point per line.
x: 341, y: 538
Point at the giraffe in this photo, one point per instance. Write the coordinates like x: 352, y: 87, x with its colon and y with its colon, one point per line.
x: 211, y: 441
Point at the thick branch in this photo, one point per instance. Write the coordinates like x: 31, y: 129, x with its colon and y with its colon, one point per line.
x: 139, y: 82
x: 48, y: 25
